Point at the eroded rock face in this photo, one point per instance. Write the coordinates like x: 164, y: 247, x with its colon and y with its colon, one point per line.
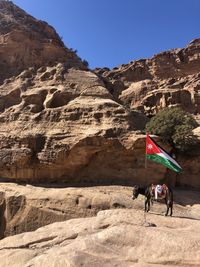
x: 167, y: 79
x: 63, y: 125
x: 171, y: 78
x: 60, y: 122
x: 26, y: 208
x: 27, y: 42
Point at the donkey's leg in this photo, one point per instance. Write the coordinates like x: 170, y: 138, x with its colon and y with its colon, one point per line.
x: 171, y: 208
x: 149, y: 204
x: 146, y: 206
x: 167, y: 203
x: 171, y: 203
x: 167, y: 210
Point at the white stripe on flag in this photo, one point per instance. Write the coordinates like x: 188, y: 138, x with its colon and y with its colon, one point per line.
x: 165, y: 155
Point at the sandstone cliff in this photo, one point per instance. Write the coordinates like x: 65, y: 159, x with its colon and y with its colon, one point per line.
x: 28, y: 42
x: 171, y: 78
x: 60, y: 122
x: 167, y: 79
x: 62, y: 125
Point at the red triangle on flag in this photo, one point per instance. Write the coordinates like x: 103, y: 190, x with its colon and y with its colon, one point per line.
x: 151, y: 147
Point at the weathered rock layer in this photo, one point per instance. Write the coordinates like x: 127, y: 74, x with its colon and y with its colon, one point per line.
x: 27, y: 42
x: 169, y: 78
x: 25, y: 208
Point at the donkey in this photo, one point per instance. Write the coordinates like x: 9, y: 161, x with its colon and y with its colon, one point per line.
x: 149, y: 193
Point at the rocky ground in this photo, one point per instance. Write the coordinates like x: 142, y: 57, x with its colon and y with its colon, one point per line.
x: 115, y: 231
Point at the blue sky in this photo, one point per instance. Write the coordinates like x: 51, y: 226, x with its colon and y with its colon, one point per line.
x: 108, y: 33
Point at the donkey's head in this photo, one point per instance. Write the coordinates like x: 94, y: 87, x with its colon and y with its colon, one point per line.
x: 135, y: 192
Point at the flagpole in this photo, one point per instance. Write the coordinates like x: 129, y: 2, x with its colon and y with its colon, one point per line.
x: 145, y: 163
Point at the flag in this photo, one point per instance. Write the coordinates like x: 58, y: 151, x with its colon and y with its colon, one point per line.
x: 155, y: 153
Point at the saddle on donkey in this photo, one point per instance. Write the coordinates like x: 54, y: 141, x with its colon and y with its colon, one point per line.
x: 159, y: 191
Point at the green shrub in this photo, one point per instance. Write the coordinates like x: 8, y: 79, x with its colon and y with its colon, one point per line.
x: 174, y: 126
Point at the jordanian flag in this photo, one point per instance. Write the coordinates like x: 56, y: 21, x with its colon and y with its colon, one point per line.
x: 157, y: 154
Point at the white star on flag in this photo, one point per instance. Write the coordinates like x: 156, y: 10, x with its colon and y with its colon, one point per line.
x: 150, y: 146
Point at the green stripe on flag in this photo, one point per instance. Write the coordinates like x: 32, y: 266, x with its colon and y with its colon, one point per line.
x: 167, y: 163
